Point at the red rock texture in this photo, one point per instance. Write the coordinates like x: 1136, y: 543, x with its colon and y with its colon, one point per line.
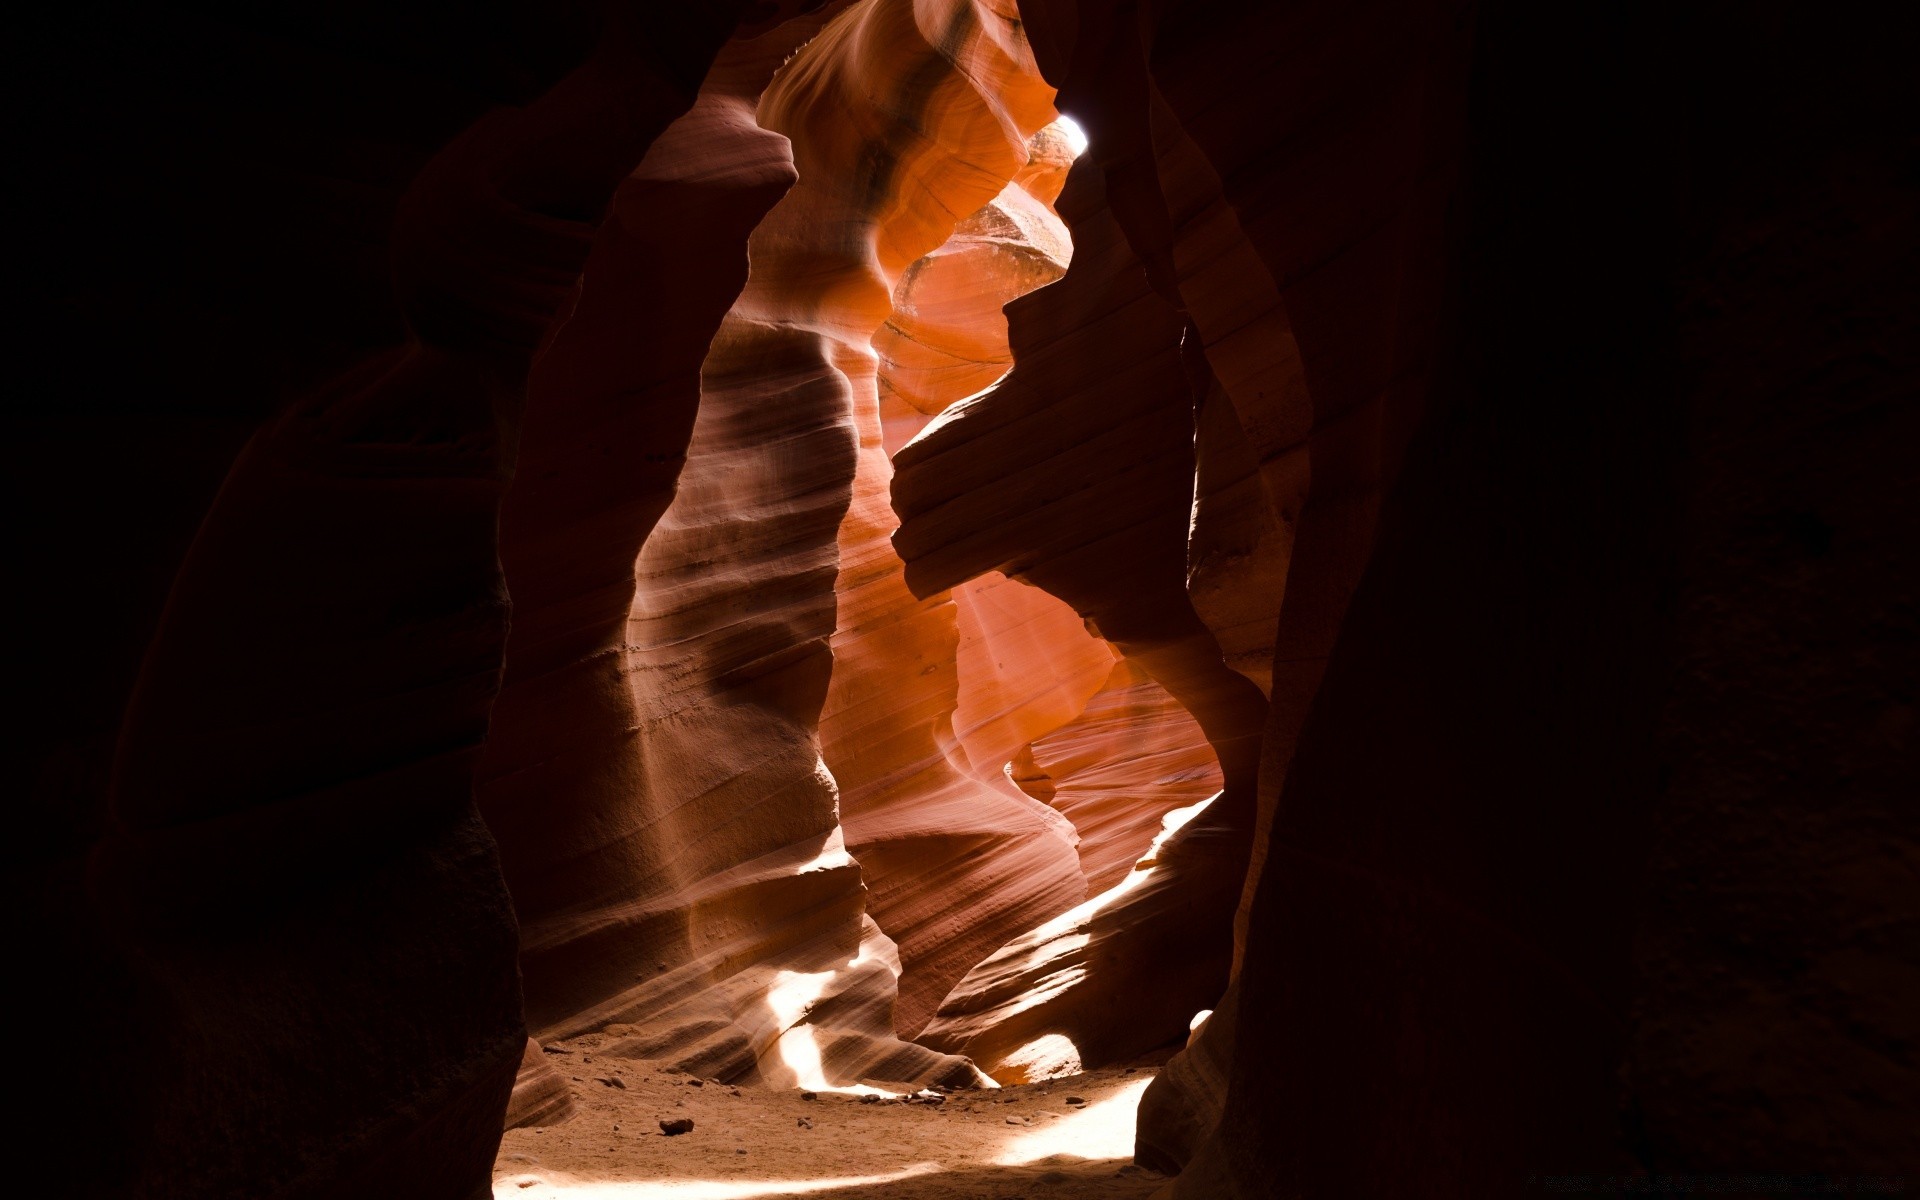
x: 956, y: 859
x: 601, y: 873
x: 540, y: 1093
x: 1027, y: 666
x: 1471, y: 440
x: 685, y: 861
x: 1405, y: 848
x: 1132, y: 756
x: 1012, y: 481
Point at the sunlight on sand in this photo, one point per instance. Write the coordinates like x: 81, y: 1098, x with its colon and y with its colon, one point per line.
x: 1102, y: 1130
x: 535, y: 1186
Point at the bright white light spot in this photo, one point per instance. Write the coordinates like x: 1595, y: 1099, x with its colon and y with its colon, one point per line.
x: 1099, y: 1131
x: 833, y: 851
x: 536, y: 1186
x: 1171, y: 824
x: 792, y: 997
x: 1076, y: 136
x: 794, y: 993
x: 1048, y: 1056
x: 1199, y: 1019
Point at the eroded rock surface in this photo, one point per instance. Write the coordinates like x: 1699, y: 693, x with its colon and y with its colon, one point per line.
x: 699, y: 892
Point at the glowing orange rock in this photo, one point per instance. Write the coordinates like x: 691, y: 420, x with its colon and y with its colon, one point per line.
x: 1132, y: 756
x: 957, y: 861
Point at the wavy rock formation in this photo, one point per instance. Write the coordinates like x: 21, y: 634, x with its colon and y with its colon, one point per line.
x: 682, y: 865
x: 584, y: 840
x: 540, y: 1093
x: 956, y: 863
x: 1132, y: 756
x: 946, y: 337
x: 1012, y: 480
x: 1027, y: 666
x: 1472, y: 442
x: 1314, y: 311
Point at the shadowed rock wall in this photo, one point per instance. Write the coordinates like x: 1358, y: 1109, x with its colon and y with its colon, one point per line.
x: 1469, y: 905
x: 1487, y: 423
x: 304, y: 902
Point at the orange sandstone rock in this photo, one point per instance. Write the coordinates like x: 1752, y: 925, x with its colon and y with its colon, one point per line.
x: 1132, y: 756
x: 957, y: 861
x: 1076, y: 472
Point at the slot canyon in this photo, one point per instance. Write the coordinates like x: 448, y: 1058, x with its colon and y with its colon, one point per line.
x: 1228, y: 600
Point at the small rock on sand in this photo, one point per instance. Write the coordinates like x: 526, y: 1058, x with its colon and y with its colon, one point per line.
x: 677, y: 1126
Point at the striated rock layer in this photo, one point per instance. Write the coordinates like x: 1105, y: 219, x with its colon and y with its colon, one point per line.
x: 1027, y: 666
x: 602, y: 865
x: 1132, y: 756
x: 540, y: 1093
x: 1301, y: 233
x: 1076, y: 473
x: 681, y: 866
x: 957, y: 862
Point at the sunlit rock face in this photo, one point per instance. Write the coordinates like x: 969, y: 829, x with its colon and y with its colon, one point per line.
x: 611, y: 410
x: 946, y: 337
x: 686, y: 859
x: 1132, y: 756
x: 957, y: 861
x: 1027, y: 666
x: 1076, y: 474
x: 540, y: 1095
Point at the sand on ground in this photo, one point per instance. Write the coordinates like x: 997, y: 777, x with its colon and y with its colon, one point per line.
x: 1064, y: 1139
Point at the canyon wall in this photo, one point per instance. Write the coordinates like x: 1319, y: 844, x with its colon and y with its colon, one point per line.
x: 1448, y: 951
x: 956, y: 861
x: 682, y: 865
x: 309, y: 906
x: 1434, y: 588
x: 1075, y: 474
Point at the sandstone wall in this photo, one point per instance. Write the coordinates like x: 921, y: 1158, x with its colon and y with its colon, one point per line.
x: 295, y: 871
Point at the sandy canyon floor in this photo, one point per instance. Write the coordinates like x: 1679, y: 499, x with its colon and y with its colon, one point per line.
x: 1066, y: 1139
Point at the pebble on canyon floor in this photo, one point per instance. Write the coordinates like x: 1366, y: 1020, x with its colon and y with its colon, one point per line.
x: 613, y: 1081
x: 809, y: 1095
x: 677, y: 1126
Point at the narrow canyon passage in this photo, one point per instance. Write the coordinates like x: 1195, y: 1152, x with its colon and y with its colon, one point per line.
x: 964, y: 599
x: 723, y: 869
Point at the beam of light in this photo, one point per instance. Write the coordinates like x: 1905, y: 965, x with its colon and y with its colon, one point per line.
x: 792, y: 997
x: 1049, y: 1056
x: 1101, y: 1130
x: 1076, y: 136
x: 534, y: 1186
